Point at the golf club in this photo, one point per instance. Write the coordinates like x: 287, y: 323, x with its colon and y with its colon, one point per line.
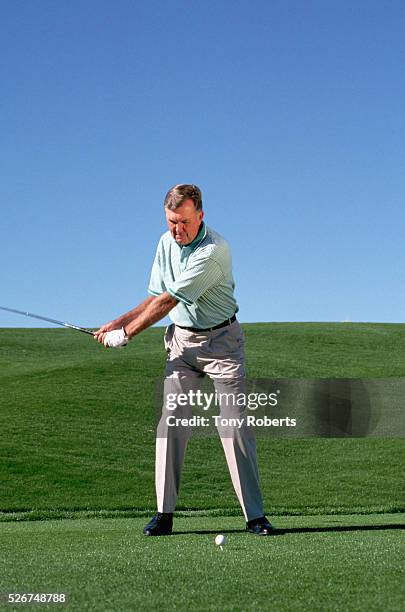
x: 35, y: 316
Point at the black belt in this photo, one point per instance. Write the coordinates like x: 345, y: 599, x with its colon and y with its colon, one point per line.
x: 198, y: 329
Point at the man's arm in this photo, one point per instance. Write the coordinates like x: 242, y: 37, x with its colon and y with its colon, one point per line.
x: 129, y: 316
x: 139, y: 318
x: 156, y: 309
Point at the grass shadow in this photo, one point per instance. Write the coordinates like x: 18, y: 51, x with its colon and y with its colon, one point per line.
x: 342, y: 528
x: 281, y: 531
x: 211, y: 531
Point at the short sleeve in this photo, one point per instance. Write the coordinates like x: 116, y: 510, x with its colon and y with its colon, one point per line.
x: 156, y: 283
x: 195, y: 280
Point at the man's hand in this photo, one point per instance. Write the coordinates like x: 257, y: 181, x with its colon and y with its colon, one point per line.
x: 115, y: 338
x: 101, y: 333
x: 151, y: 310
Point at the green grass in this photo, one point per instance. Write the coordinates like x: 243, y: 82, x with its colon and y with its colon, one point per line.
x: 320, y: 563
x: 77, y: 425
x: 77, y: 443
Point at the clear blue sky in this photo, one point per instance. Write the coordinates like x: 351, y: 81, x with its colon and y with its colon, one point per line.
x: 289, y: 114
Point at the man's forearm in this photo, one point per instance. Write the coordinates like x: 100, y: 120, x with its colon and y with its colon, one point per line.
x: 156, y: 309
x: 129, y: 316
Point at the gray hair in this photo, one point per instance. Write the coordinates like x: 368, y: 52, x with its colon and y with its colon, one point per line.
x: 178, y: 194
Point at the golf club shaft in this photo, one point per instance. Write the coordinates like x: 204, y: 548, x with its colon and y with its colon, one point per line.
x: 55, y: 321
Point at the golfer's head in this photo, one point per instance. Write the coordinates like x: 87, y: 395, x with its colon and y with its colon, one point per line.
x: 183, y: 208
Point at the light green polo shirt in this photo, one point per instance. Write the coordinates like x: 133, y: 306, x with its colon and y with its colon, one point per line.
x: 199, y: 275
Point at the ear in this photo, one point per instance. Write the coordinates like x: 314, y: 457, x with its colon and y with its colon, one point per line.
x: 201, y: 215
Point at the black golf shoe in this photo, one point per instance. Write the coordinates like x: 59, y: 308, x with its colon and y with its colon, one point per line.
x: 160, y: 524
x: 261, y: 526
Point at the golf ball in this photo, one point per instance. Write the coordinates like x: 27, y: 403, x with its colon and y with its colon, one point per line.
x: 220, y: 540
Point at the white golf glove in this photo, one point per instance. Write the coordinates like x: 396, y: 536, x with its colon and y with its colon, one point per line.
x: 115, y: 338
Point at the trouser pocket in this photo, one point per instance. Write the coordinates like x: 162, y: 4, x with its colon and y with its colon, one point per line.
x: 168, y: 338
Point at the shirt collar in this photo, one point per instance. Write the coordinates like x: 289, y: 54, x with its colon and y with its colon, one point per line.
x: 202, y: 232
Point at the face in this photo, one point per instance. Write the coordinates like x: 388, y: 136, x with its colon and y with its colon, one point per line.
x: 184, y: 222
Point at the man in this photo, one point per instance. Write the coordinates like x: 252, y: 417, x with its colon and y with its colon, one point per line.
x: 192, y: 281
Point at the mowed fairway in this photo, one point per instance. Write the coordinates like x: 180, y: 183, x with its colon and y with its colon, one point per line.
x: 328, y: 563
x: 77, y: 442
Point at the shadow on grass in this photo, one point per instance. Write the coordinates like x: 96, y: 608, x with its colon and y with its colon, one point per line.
x: 297, y: 529
x: 342, y: 528
x: 208, y: 531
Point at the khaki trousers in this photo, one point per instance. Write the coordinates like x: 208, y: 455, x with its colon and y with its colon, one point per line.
x: 190, y: 357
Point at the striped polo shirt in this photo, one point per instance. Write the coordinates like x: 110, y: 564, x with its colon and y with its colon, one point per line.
x: 198, y: 275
